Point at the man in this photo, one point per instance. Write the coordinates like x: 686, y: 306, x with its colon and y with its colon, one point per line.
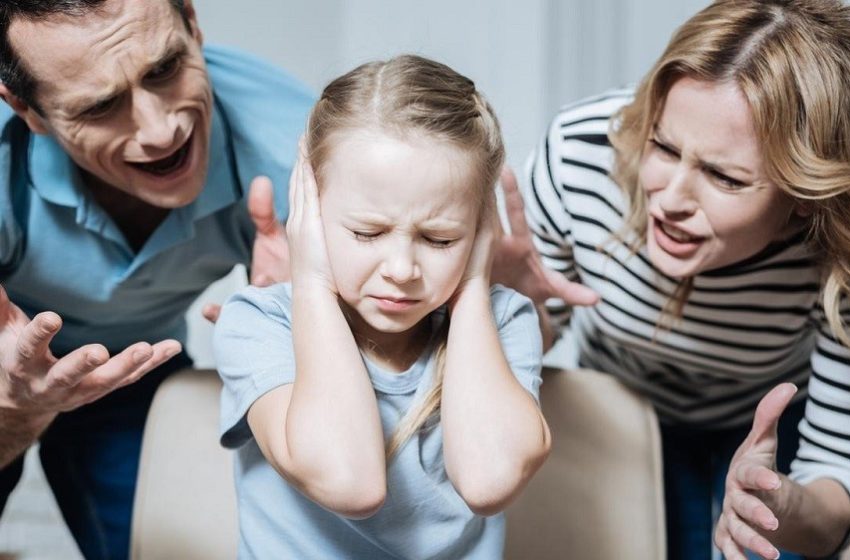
x: 124, y: 165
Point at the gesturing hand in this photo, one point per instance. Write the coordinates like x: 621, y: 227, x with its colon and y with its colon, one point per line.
x: 753, y: 485
x: 33, y: 381
x: 270, y: 255
x: 517, y: 264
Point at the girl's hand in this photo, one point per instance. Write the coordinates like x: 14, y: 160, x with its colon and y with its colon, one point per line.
x: 307, y: 249
x: 753, y: 485
x: 517, y: 264
x: 477, y: 273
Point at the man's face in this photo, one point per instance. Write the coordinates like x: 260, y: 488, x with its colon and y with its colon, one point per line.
x: 124, y: 90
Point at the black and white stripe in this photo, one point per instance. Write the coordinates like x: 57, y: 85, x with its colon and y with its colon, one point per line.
x: 744, y: 329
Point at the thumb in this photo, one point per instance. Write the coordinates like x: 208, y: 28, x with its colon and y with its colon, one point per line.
x: 261, y: 205
x: 769, y: 410
x: 211, y: 312
x: 573, y: 293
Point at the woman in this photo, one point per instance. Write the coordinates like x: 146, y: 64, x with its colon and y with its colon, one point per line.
x: 709, y: 211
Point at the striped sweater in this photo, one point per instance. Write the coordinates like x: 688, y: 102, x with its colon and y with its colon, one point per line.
x: 745, y: 327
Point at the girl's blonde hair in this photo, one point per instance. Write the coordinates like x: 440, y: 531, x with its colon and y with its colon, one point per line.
x: 403, y: 95
x: 791, y: 60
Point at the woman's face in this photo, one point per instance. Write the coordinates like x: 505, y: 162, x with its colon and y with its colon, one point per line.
x: 709, y: 202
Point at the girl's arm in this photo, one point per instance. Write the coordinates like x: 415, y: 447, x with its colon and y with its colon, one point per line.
x: 494, y: 435
x: 323, y: 432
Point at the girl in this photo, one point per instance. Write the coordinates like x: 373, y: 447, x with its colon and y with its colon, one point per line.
x: 709, y: 211
x: 383, y: 404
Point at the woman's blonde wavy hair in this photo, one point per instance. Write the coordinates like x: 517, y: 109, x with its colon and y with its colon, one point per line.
x: 402, y: 96
x: 791, y: 60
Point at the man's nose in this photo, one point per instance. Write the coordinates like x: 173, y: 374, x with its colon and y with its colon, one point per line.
x: 156, y: 125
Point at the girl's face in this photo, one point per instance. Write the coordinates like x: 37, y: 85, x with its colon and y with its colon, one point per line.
x: 709, y: 201
x: 400, y: 218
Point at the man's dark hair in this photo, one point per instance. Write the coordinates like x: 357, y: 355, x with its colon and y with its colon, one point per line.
x: 13, y: 73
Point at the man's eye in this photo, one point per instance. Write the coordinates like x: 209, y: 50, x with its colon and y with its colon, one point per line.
x: 100, y: 109
x: 165, y: 70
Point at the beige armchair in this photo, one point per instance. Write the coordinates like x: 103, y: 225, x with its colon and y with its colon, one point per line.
x: 600, y: 494
x: 185, y: 504
x: 597, y: 497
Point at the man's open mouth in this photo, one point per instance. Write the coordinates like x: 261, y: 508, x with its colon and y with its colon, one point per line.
x: 167, y: 165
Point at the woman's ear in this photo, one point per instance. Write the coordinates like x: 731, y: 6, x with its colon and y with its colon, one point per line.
x: 803, y: 208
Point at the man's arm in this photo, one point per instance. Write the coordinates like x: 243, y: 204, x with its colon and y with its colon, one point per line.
x: 35, y: 385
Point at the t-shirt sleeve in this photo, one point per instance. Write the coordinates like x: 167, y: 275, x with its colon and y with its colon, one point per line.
x: 252, y: 342
x: 824, y: 450
x: 519, y: 332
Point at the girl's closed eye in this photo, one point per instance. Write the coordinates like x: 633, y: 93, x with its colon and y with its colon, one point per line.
x: 437, y: 242
x: 663, y: 148
x: 366, y: 236
x: 725, y: 181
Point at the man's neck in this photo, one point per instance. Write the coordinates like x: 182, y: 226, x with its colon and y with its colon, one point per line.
x: 136, y: 219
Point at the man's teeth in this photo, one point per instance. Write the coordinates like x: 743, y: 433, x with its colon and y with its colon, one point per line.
x: 677, y: 234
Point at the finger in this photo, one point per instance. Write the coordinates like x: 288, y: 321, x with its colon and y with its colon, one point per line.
x: 294, y: 185
x: 752, y: 476
x: 261, y: 206
x: 34, y: 340
x: 262, y: 280
x: 71, y: 370
x: 769, y: 410
x: 724, y: 541
x: 129, y: 365
x: 311, y: 188
x: 514, y: 207
x: 211, y: 311
x: 752, y: 510
x: 746, y: 537
x: 572, y: 293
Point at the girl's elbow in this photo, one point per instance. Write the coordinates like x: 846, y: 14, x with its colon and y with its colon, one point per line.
x: 489, y: 493
x: 354, y: 497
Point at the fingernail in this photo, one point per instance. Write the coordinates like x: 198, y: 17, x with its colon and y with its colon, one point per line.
x: 775, y: 554
x: 772, y: 524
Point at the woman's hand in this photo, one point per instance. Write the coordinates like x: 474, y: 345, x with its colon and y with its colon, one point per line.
x: 753, y: 487
x: 308, y: 252
x: 517, y: 264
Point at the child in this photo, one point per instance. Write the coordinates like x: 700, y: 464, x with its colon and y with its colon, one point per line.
x: 383, y: 404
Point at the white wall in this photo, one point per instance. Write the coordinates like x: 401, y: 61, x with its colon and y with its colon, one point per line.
x: 528, y: 58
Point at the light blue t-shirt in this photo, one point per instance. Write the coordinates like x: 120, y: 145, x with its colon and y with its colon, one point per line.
x: 423, y: 516
x: 60, y: 251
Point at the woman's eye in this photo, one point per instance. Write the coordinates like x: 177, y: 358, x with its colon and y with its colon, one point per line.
x: 726, y: 182
x: 664, y: 148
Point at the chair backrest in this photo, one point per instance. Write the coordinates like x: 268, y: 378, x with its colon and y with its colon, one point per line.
x: 185, y: 505
x: 600, y: 494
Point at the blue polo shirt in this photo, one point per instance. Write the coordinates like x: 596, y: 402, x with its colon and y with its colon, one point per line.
x: 60, y: 251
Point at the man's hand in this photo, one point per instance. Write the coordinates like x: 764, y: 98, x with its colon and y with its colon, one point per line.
x: 270, y: 257
x: 753, y: 486
x: 517, y: 264
x: 34, y: 381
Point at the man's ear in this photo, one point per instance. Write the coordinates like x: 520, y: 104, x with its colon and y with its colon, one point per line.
x: 192, y: 17
x: 30, y: 116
